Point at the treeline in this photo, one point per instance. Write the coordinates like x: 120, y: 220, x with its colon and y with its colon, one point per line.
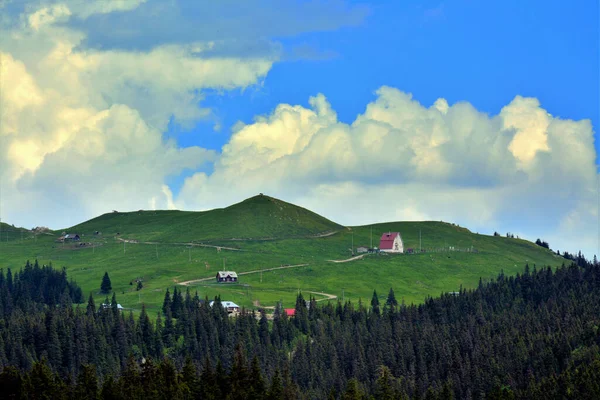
x: 516, y: 337
x: 33, y: 286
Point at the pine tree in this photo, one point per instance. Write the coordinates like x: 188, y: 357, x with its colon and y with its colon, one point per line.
x: 276, y: 390
x: 256, y: 381
x: 87, y: 383
x: 190, y: 379
x: 167, y: 303
x: 209, y: 382
x: 384, y: 385
x: 105, y: 286
x: 353, y: 391
x: 391, y: 299
x: 375, y: 303
x: 91, y: 306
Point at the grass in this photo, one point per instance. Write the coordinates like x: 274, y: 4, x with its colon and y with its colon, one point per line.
x: 268, y: 233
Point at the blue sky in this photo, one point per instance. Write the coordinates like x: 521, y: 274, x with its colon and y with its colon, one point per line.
x: 480, y: 113
x: 485, y: 53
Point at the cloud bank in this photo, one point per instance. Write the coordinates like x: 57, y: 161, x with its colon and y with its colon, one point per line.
x: 522, y: 171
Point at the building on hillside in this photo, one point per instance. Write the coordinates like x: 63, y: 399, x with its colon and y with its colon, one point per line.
x: 227, y: 276
x: 72, y: 237
x: 229, y: 306
x: 107, y: 306
x: 68, y: 237
x: 362, y: 249
x: 290, y: 312
x: 391, y: 242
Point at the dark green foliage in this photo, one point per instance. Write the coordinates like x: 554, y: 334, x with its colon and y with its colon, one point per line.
x: 36, y: 284
x: 534, y: 336
x: 106, y: 285
x: 375, y: 303
x: 353, y: 391
x: 12, y: 384
x: 391, y: 299
x: 87, y: 383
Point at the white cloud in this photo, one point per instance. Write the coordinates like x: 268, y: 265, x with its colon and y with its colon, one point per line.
x: 82, y: 133
x: 521, y: 170
x: 82, y: 130
x: 84, y: 9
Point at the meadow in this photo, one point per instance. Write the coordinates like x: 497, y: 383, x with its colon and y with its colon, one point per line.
x: 267, y: 234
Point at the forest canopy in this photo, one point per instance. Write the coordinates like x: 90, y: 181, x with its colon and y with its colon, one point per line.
x: 535, y: 335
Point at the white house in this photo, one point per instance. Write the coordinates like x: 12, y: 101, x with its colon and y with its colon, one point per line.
x: 106, y: 306
x: 391, y: 242
x: 229, y: 306
x: 227, y: 276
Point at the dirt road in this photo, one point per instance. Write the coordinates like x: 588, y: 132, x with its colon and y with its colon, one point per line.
x: 328, y: 296
x: 349, y: 259
x: 187, y: 283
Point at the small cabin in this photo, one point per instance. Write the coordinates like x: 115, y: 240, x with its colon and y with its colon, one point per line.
x: 106, y: 306
x: 229, y: 306
x: 69, y: 237
x: 227, y: 276
x: 391, y: 242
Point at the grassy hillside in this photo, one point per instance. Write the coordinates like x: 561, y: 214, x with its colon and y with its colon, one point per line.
x: 9, y: 233
x: 257, y: 217
x: 265, y: 234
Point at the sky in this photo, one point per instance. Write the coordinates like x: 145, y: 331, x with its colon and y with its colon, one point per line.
x: 483, y: 114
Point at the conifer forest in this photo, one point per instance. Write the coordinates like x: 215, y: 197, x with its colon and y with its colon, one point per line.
x: 532, y: 336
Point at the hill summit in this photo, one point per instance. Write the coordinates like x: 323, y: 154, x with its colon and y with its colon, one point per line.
x: 258, y: 217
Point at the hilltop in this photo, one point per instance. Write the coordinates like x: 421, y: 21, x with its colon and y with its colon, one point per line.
x: 11, y: 232
x: 277, y: 248
x: 259, y: 217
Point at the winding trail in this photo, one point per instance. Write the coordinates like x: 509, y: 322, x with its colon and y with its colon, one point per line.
x: 349, y: 259
x: 256, y: 271
x: 328, y: 296
x: 180, y: 244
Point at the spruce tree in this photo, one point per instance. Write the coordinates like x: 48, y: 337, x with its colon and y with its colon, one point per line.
x: 167, y: 303
x: 87, y: 383
x: 375, y: 302
x: 276, y: 390
x: 391, y: 299
x: 105, y: 286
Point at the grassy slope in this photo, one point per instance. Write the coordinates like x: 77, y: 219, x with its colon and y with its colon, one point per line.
x: 11, y: 233
x: 412, y: 276
x: 257, y: 217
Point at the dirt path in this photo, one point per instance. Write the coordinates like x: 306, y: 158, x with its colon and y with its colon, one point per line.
x: 180, y: 244
x: 256, y: 271
x: 328, y: 296
x: 349, y: 259
x: 322, y: 235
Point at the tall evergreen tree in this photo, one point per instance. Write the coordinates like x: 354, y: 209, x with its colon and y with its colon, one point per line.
x: 375, y: 303
x: 105, y: 286
x: 391, y: 299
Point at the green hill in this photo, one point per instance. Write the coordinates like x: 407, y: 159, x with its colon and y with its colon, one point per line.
x: 12, y: 233
x: 259, y: 217
x: 276, y: 247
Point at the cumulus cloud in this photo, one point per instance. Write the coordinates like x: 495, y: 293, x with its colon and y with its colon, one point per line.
x: 521, y: 170
x: 82, y: 129
x: 82, y: 133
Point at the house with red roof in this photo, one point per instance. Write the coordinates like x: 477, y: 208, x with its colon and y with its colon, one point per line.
x: 391, y: 242
x: 290, y: 312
